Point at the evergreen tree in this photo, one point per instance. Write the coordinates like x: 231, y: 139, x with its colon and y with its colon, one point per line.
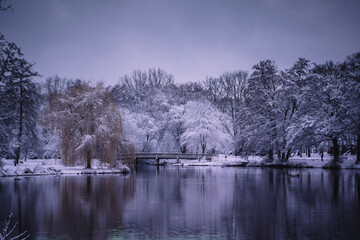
x: 19, y: 100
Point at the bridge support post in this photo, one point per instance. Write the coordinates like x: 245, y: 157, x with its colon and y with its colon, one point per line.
x: 177, y: 159
x: 157, y: 160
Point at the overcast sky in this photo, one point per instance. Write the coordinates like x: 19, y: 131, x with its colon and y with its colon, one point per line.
x: 191, y: 39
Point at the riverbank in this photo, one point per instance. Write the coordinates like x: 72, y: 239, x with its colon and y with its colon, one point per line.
x: 35, y: 167
x: 347, y: 162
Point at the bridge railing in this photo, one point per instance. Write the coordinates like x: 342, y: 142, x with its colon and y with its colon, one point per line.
x: 178, y: 156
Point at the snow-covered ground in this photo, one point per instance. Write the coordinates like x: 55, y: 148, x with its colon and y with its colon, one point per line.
x: 348, y: 161
x: 54, y: 166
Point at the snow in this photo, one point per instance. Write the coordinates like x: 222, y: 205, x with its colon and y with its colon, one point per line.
x: 54, y: 167
x: 257, y: 161
x: 204, y: 128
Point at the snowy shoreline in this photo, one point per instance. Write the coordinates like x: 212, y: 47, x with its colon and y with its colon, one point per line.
x: 41, y: 167
x: 348, y: 162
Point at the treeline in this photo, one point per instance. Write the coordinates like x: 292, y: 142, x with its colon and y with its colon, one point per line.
x: 308, y: 105
x: 171, y: 117
x: 268, y: 112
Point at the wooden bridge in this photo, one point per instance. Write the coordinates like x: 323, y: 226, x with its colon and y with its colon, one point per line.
x: 177, y: 156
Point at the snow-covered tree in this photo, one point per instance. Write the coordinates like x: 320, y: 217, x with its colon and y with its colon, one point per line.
x: 214, y: 90
x: 271, y: 113
x: 141, y: 129
x: 351, y: 80
x: 90, y: 126
x: 186, y: 92
x: 233, y: 85
x: 204, y: 129
x: 19, y: 100
x: 324, y: 100
x: 175, y: 127
x: 227, y: 92
x: 293, y: 131
x: 53, y: 89
x: 257, y: 123
x: 134, y: 87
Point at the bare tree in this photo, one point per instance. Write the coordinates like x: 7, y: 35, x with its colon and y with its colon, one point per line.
x: 4, y: 6
x: 8, y: 230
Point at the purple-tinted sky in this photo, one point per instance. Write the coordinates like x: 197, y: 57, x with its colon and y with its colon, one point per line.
x: 192, y: 39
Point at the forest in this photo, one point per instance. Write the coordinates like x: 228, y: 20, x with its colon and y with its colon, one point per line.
x: 263, y: 111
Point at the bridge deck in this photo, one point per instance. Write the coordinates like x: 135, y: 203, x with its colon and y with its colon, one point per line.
x: 182, y: 156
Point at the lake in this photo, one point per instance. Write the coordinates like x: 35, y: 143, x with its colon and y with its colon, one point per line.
x: 187, y: 203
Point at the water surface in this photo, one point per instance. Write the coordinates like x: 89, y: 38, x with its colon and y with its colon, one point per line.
x: 187, y: 202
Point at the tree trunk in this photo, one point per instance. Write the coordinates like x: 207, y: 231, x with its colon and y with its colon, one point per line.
x: 183, y: 149
x: 18, y: 147
x: 203, y: 148
x: 358, y: 149
x: 279, y: 155
x: 283, y: 157
x: 17, y: 155
x: 288, y: 155
x: 336, y: 149
x: 88, y: 159
x: 271, y: 155
x: 309, y: 152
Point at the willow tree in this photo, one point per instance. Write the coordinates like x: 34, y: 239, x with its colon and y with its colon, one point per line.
x: 90, y: 126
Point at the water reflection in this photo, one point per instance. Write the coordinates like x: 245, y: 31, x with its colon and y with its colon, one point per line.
x: 177, y: 203
x: 78, y: 207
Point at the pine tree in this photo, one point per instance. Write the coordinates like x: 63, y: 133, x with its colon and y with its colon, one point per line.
x: 19, y: 100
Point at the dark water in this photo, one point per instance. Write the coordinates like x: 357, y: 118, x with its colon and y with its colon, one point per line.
x: 187, y: 203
